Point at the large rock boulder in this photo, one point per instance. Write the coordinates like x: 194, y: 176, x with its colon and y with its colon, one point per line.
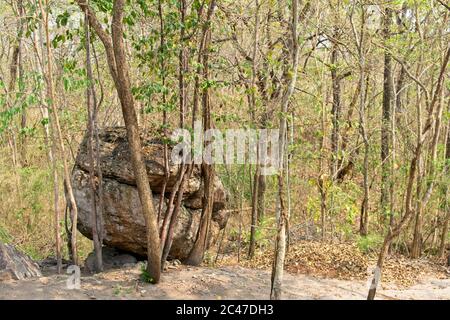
x: 115, y: 160
x: 14, y: 265
x: 123, y: 221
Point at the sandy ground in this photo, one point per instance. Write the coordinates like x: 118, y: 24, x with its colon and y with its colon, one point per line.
x: 233, y: 282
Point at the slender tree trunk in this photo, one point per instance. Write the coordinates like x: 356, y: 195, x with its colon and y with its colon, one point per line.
x: 116, y: 58
x: 96, y: 105
x: 446, y: 205
x: 335, y: 110
x: 320, y: 179
x: 417, y: 240
x: 430, y: 177
x: 254, y: 220
x: 395, y: 230
x: 182, y: 65
x: 51, y: 98
x: 261, y: 197
x: 123, y: 86
x: 283, y: 218
x: 162, y: 49
x: 197, y: 253
x: 49, y: 139
x: 90, y: 101
x: 386, y: 120
x: 255, y: 191
x: 323, y: 205
x: 364, y: 217
x: 172, y: 216
x: 174, y: 206
x: 16, y: 72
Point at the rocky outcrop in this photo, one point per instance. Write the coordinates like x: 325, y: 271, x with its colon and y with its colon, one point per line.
x: 123, y: 221
x: 14, y: 265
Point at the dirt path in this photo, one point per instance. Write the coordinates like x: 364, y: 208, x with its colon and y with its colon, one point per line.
x: 207, y: 283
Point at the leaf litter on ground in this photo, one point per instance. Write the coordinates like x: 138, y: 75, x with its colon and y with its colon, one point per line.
x: 344, y: 261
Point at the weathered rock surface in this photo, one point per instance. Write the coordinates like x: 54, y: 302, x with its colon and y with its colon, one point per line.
x: 111, y: 258
x: 115, y: 160
x: 14, y: 265
x: 194, y: 200
x: 123, y: 221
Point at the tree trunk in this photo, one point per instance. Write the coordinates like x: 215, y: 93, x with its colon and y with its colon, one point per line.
x: 283, y: 218
x: 182, y: 66
x: 255, y: 189
x: 364, y: 216
x: 51, y: 98
x: 395, y: 230
x: 335, y: 111
x: 91, y: 102
x: 417, y: 240
x: 116, y: 57
x: 254, y: 221
x: 446, y: 199
x: 197, y: 253
x: 164, y: 125
x: 123, y: 87
x: 172, y: 214
x: 261, y: 204
x: 386, y: 120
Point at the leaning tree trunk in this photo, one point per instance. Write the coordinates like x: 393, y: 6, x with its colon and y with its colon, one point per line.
x: 395, y: 230
x: 123, y: 87
x: 116, y: 58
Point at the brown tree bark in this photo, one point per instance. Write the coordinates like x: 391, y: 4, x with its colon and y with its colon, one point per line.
x: 386, y: 119
x: 395, y: 230
x: 254, y: 219
x: 360, y: 42
x: 57, y: 127
x: 261, y: 203
x: 172, y: 212
x: 335, y: 110
x: 445, y: 192
x: 91, y: 102
x: 197, y: 253
x: 252, y: 105
x: 162, y: 48
x: 123, y: 87
x: 116, y: 56
x: 183, y: 65
x: 283, y: 216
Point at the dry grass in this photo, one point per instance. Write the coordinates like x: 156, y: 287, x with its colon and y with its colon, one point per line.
x: 26, y: 207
